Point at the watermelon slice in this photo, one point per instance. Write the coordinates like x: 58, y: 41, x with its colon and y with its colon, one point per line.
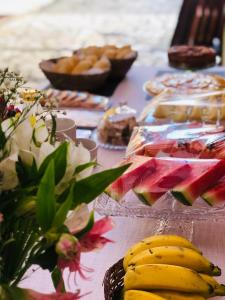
x: 204, y: 174
x: 140, y: 165
x: 215, y: 195
x: 169, y: 172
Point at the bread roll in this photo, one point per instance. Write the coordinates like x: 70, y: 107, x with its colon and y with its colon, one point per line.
x: 110, y: 53
x: 64, y: 65
x: 81, y: 67
x: 123, y: 53
x: 92, y: 50
x: 92, y: 58
x: 103, y: 64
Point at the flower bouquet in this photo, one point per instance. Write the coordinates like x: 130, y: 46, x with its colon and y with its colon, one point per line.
x: 45, y: 186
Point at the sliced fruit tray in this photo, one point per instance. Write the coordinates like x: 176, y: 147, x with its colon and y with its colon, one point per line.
x: 167, y: 187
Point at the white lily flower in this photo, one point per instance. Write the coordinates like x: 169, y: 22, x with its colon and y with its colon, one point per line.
x: 27, y: 157
x: 76, y: 156
x: 78, y: 218
x: 82, y: 156
x: 7, y: 126
x: 46, y: 149
x: 23, y: 135
x: 40, y: 133
x: 8, y: 175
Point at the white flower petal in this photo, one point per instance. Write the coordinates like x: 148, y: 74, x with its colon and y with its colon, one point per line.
x: 23, y: 135
x: 78, y: 218
x: 40, y: 132
x: 45, y: 149
x: 26, y: 157
x: 8, y: 175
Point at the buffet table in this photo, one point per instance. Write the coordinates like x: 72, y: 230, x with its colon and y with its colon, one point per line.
x: 208, y: 236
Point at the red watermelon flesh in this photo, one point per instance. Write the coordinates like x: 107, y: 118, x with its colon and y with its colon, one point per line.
x: 169, y: 172
x: 205, y: 174
x: 215, y: 195
x: 141, y: 166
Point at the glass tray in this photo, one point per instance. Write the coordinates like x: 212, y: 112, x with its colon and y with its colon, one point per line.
x: 165, y: 208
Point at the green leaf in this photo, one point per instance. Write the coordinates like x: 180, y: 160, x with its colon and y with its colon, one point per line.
x: 46, y: 198
x: 13, y: 293
x: 53, y: 131
x: 64, y: 208
x: 3, y: 139
x: 59, y: 156
x: 57, y: 280
x: 83, y: 167
x: 89, y: 188
x: 26, y: 174
x: 46, y: 260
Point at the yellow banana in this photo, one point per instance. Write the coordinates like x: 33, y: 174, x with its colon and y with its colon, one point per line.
x: 169, y: 295
x: 157, y: 241
x: 178, y: 256
x: 165, y: 277
x: 140, y: 295
x: 218, y: 289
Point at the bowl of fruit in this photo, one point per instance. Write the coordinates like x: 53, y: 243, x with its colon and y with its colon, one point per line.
x: 77, y: 72
x: 163, y: 267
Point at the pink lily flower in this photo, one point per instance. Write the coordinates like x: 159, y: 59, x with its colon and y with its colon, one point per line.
x: 33, y: 295
x: 70, y: 251
x: 94, y: 239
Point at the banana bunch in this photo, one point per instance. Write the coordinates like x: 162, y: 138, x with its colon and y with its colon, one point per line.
x: 169, y: 267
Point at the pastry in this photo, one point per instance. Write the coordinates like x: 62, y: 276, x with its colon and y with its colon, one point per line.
x: 188, y: 82
x: 64, y: 65
x: 192, y: 57
x: 117, y: 125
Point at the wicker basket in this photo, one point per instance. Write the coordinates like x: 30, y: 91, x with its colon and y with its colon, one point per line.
x: 120, y: 67
x: 113, y: 281
x: 80, y: 82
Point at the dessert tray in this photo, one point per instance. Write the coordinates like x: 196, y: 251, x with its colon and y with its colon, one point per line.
x: 166, y: 207
x: 186, y: 81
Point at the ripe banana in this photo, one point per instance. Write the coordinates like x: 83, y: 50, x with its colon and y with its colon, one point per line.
x: 165, y: 277
x: 218, y: 289
x: 156, y: 241
x: 178, y: 256
x: 169, y: 295
x: 140, y: 295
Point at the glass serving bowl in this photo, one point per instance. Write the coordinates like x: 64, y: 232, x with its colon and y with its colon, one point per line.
x: 165, y: 208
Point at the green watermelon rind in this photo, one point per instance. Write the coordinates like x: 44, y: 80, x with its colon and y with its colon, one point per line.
x: 184, y: 194
x: 181, y: 197
x: 208, y: 199
x: 211, y: 196
x: 142, y: 198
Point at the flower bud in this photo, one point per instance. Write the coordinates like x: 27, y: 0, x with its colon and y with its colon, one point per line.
x: 67, y: 246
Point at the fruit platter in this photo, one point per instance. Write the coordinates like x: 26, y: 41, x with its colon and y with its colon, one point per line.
x: 163, y: 267
x: 166, y: 187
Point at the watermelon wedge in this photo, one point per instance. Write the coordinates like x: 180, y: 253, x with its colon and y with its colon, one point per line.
x: 204, y: 174
x: 140, y: 165
x: 169, y: 173
x: 215, y: 195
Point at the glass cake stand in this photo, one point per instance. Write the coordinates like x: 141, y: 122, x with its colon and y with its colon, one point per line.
x: 170, y: 215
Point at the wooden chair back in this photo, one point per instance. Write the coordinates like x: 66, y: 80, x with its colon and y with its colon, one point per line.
x: 199, y: 22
